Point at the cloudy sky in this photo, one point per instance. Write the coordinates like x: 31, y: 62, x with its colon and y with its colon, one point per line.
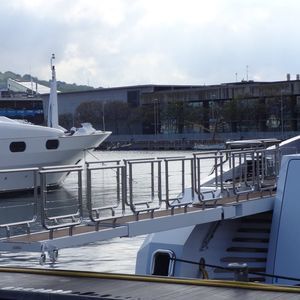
x: 126, y: 42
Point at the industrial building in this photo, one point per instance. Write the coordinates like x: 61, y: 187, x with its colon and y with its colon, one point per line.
x: 187, y: 114
x: 19, y: 102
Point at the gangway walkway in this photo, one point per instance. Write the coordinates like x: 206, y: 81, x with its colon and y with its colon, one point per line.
x: 141, y: 197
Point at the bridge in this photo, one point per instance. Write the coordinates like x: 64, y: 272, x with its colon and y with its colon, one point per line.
x: 136, y: 197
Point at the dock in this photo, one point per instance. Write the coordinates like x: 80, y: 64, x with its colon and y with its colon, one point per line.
x: 63, y: 284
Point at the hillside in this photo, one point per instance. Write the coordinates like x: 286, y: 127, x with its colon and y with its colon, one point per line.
x: 61, y: 85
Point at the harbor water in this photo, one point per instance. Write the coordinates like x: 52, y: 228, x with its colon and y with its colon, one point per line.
x: 116, y: 255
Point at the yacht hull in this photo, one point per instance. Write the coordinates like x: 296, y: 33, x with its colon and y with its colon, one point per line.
x: 70, y: 151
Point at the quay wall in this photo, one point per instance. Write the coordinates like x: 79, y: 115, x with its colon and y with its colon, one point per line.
x: 184, y: 141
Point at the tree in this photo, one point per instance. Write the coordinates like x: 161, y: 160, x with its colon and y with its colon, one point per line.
x: 173, y: 116
x: 134, y: 118
x: 116, y: 114
x: 66, y: 120
x: 90, y: 112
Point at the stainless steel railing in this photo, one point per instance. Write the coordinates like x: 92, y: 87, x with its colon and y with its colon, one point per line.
x: 51, y: 217
x: 8, y: 211
x: 210, y: 189
x: 131, y: 187
x: 143, y: 183
x: 114, y: 190
x: 182, y: 195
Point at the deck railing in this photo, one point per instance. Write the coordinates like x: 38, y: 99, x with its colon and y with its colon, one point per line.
x: 66, y: 212
x: 21, y: 212
x: 144, y: 189
x: 138, y: 186
x: 109, y: 200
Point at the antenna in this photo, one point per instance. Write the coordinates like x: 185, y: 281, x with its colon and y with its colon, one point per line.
x: 52, y: 106
x: 247, y: 69
x: 52, y: 65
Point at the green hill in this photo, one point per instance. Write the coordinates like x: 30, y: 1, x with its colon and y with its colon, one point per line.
x: 61, y: 85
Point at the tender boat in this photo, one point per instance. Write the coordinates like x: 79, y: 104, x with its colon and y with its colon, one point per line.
x: 25, y: 145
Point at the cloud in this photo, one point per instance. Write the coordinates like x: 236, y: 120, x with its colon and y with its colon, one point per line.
x: 127, y: 42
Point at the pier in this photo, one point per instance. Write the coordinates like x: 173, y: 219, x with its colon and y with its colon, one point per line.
x: 142, y: 196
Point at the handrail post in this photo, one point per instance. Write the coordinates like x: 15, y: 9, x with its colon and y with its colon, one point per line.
x: 233, y: 171
x: 80, y: 206
x: 130, y: 186
x: 221, y: 174
x: 43, y: 197
x: 193, y: 178
x: 124, y: 190
x: 167, y: 182
x: 198, y: 180
x: 89, y: 190
x: 216, y: 170
x: 152, y: 179
x: 35, y: 194
x: 118, y: 182
x: 159, y: 183
x: 182, y: 176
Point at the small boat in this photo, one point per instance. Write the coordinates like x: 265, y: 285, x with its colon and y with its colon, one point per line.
x: 25, y: 145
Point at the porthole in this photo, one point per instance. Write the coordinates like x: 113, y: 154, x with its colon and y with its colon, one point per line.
x: 52, y: 144
x: 17, y: 146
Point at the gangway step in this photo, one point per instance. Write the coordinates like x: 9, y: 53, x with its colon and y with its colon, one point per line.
x: 256, y: 221
x: 237, y: 259
x: 254, y: 230
x: 250, y: 269
x: 261, y: 218
x: 250, y: 240
x: 247, y: 249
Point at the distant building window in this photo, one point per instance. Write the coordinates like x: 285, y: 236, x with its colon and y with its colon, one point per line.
x: 17, y: 147
x: 52, y: 144
x: 133, y: 98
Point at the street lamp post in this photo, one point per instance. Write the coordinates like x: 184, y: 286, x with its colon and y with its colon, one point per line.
x: 103, y: 116
x: 155, y: 112
x: 281, y: 113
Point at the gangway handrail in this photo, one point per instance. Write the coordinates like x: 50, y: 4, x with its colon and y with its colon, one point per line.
x: 216, y: 190
x: 177, y: 201
x: 102, y: 162
x: 138, y: 159
x: 266, y: 181
x: 34, y: 216
x: 18, y: 170
x: 246, y: 187
x: 228, y: 152
x: 150, y: 205
x: 76, y: 217
x: 94, y: 211
x: 171, y: 157
x: 53, y: 218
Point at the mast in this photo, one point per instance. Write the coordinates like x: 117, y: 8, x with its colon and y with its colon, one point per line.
x: 52, y: 107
